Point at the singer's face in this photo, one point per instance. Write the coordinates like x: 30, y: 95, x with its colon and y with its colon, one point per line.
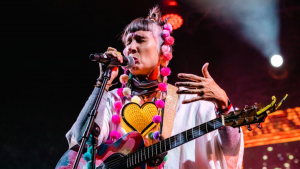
x: 144, y: 47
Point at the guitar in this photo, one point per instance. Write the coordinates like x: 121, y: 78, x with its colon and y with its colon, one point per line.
x: 130, y: 151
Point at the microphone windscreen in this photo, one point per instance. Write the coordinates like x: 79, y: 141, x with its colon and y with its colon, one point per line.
x: 130, y: 63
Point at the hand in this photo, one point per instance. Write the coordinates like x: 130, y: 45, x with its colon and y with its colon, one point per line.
x: 205, y: 88
x: 115, y: 71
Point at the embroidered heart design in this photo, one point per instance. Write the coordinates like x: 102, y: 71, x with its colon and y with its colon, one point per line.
x: 136, y: 118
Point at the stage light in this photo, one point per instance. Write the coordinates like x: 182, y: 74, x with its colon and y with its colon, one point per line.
x: 265, y: 157
x: 276, y: 60
x: 172, y: 3
x: 174, y: 19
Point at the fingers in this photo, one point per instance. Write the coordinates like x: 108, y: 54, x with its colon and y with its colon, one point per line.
x: 205, y: 71
x: 189, y: 84
x: 192, y: 99
x: 191, y: 91
x: 206, y: 97
x: 190, y: 77
x: 115, y: 54
x: 111, y: 49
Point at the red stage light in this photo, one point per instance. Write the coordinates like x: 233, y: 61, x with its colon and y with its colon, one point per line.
x: 174, y: 19
x: 172, y: 3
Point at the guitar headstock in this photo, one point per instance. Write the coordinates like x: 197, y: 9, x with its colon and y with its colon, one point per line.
x: 251, y: 114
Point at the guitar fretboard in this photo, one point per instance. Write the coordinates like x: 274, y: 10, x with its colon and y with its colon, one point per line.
x: 165, y: 145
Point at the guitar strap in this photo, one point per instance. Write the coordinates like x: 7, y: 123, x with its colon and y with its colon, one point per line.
x: 169, y: 111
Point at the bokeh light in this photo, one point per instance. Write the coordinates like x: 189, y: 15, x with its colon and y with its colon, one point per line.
x: 276, y: 60
x: 286, y: 164
x: 265, y: 157
x: 174, y: 19
x: 270, y: 148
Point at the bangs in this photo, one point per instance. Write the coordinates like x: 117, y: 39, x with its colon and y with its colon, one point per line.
x: 139, y: 24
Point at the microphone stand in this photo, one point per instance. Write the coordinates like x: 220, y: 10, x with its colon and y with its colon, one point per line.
x: 92, y: 116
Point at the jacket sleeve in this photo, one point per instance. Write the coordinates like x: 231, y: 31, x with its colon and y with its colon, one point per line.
x: 74, y: 135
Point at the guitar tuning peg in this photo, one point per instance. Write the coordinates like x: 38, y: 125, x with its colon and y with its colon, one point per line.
x: 249, y: 127
x: 259, y: 126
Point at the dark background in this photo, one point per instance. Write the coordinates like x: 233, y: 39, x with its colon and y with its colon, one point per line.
x: 47, y: 76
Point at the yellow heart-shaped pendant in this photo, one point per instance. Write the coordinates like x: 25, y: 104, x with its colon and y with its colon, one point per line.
x: 136, y: 118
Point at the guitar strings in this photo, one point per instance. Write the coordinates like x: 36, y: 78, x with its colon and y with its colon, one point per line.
x: 123, y: 160
x: 153, y: 147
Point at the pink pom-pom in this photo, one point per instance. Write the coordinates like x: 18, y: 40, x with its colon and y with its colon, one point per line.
x: 168, y: 56
x: 156, y: 119
x: 115, y: 119
x: 165, y: 33
x: 115, y: 135
x: 168, y: 27
x: 118, y: 105
x: 159, y: 104
x: 165, y: 71
x: 108, y: 142
x: 124, y: 78
x: 169, y: 40
x: 162, y: 87
x: 165, y: 48
x: 120, y: 92
x: 156, y: 135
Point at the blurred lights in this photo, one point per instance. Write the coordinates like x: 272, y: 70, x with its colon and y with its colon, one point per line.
x: 291, y: 157
x: 296, y: 160
x: 265, y: 157
x: 174, y: 19
x: 264, y: 168
x: 286, y: 164
x: 276, y: 60
x: 270, y: 148
x: 172, y: 3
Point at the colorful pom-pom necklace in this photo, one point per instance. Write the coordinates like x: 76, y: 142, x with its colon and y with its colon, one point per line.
x: 125, y: 92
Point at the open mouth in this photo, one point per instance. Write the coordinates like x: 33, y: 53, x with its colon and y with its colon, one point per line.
x: 135, y: 59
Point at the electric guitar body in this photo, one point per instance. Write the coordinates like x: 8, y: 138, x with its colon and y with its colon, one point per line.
x: 107, y: 155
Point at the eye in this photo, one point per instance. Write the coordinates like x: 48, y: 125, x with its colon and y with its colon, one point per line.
x: 140, y: 40
x: 128, y: 42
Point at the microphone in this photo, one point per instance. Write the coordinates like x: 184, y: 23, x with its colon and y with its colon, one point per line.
x: 128, y: 61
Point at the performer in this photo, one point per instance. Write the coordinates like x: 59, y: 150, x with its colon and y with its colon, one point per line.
x: 149, y: 42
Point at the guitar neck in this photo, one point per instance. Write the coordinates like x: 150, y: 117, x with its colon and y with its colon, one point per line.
x: 143, y: 154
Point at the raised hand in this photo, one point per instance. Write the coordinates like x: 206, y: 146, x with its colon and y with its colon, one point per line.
x: 205, y: 87
x: 114, y: 74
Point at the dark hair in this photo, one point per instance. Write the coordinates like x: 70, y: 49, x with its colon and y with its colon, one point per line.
x: 144, y: 24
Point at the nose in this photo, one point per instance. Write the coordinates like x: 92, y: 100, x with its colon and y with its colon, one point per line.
x: 132, y: 48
